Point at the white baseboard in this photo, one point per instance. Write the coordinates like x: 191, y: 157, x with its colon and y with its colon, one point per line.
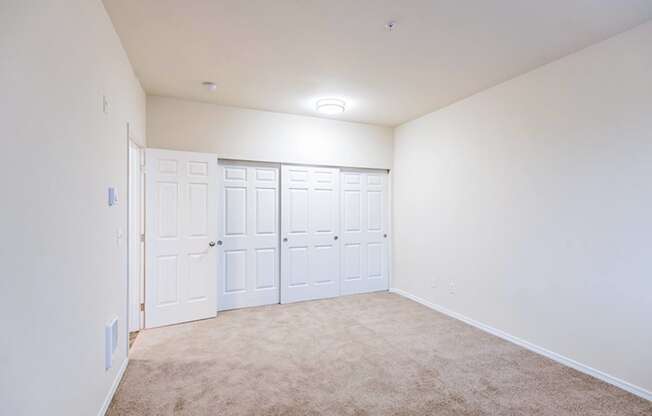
x: 114, y: 387
x: 639, y: 391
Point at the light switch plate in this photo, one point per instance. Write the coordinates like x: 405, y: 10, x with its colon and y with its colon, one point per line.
x: 113, y: 196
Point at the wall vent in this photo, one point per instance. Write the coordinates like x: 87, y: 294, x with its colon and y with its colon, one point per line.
x: 110, y: 342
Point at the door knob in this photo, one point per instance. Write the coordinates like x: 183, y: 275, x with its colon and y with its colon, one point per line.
x: 285, y: 239
x: 219, y: 242
x: 385, y: 235
x: 212, y: 244
x: 335, y: 238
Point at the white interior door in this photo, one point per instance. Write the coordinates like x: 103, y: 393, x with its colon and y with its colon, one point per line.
x: 309, y: 225
x: 181, y: 229
x: 364, y: 231
x: 249, y: 239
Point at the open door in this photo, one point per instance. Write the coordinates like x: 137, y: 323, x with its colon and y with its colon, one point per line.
x: 181, y: 231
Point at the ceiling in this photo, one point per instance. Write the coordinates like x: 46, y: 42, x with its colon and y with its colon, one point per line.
x: 283, y: 55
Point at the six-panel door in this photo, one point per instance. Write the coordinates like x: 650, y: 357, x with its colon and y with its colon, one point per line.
x: 310, y: 258
x: 249, y: 239
x: 181, y: 225
x: 364, y: 231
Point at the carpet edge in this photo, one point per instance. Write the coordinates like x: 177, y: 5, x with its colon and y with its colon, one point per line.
x: 607, y: 378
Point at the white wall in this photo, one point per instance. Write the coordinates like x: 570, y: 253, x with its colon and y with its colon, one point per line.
x: 535, y: 199
x: 63, y: 273
x: 236, y: 133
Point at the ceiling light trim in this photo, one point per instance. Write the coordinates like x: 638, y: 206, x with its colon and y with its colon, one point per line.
x: 330, y: 106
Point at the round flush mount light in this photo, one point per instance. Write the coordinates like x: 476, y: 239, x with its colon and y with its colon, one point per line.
x: 331, y: 106
x: 210, y: 86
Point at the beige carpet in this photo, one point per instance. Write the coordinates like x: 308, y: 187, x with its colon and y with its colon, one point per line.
x: 376, y: 354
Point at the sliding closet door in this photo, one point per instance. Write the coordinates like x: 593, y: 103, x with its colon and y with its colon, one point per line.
x: 364, y: 231
x: 310, y: 256
x: 248, y: 222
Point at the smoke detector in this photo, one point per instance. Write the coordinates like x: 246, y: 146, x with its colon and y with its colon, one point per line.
x: 390, y: 26
x: 210, y: 86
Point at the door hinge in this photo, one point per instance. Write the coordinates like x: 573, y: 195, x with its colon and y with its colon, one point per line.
x: 142, y: 238
x: 142, y: 307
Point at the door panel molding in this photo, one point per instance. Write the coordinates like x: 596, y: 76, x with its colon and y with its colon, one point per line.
x: 364, y: 229
x: 310, y: 247
x: 181, y: 264
x: 249, y: 234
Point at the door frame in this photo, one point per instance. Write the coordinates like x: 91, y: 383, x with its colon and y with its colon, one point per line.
x: 135, y: 233
x: 390, y: 230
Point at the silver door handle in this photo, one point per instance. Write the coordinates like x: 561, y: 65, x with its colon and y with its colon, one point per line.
x: 385, y: 235
x: 285, y: 239
x: 335, y: 238
x: 219, y: 242
x: 212, y: 244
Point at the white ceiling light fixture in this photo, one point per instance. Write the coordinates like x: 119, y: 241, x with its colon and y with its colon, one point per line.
x: 331, y: 106
x: 210, y: 86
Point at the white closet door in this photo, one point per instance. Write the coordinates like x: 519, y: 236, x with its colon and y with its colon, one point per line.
x: 364, y: 231
x: 249, y: 222
x: 310, y: 258
x: 181, y: 229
